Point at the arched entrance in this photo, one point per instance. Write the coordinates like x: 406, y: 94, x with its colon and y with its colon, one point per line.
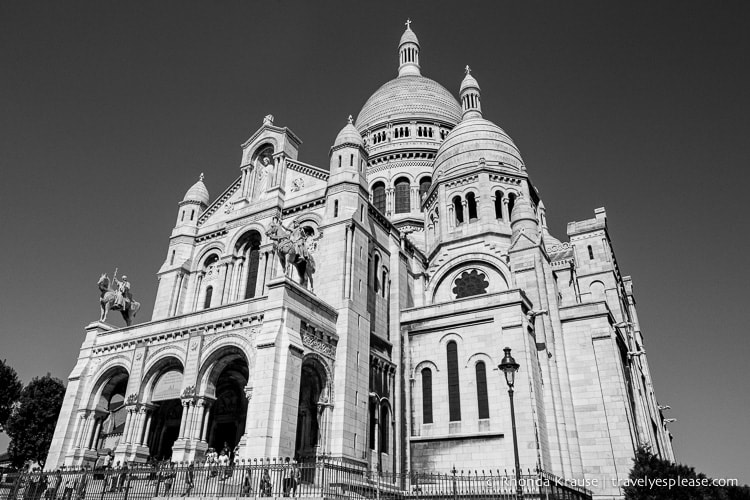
x: 165, y: 382
x: 313, y: 398
x: 110, y: 409
x: 226, y: 374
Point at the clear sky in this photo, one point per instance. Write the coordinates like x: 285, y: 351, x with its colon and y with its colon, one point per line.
x: 109, y: 111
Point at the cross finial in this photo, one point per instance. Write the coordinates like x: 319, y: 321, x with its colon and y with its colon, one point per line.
x: 468, y: 69
x: 351, y: 120
x: 407, y: 23
x: 200, y: 177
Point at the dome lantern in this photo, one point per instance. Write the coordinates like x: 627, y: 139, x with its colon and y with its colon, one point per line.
x: 469, y: 94
x: 408, y: 53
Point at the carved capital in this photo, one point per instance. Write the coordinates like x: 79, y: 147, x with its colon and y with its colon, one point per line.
x: 249, y: 392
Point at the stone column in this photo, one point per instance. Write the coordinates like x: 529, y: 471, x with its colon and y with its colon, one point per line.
x: 80, y: 430
x: 197, y: 426
x: 149, y: 417
x: 389, y: 208
x: 237, y: 272
x: 90, y: 425
x: 506, y: 215
x: 324, y: 413
x: 183, y: 420
x: 249, y: 396
x: 98, y: 420
x: 206, y: 416
x: 415, y: 201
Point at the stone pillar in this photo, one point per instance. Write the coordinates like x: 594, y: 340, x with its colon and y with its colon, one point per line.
x: 415, y: 201
x: 80, y: 430
x: 149, y: 417
x: 506, y: 215
x: 389, y: 208
x: 183, y: 419
x: 90, y: 427
x: 249, y: 396
x: 206, y: 416
x: 324, y: 415
x: 198, y: 420
x: 98, y: 421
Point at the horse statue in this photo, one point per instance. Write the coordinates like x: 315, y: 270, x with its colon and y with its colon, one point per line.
x: 292, y: 252
x: 108, y: 298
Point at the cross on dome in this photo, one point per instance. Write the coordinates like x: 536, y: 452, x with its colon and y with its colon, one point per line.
x: 351, y: 120
x: 468, y: 69
x: 200, y: 177
x: 408, y: 23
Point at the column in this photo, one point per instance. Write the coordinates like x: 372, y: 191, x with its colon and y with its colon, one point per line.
x: 144, y: 438
x: 260, y: 282
x: 226, y: 293
x: 324, y: 413
x: 130, y: 427
x: 90, y: 424
x: 207, y: 415
x: 79, y: 430
x: 415, y: 201
x: 197, y: 291
x: 184, y: 419
x: 389, y: 200
x: 140, y: 424
x: 238, y: 278
x: 198, y: 420
x: 98, y: 421
x: 249, y: 396
x: 506, y: 215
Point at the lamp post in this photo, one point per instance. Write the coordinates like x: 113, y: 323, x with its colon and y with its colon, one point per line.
x: 509, y: 366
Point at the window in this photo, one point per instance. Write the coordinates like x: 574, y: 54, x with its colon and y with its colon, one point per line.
x: 378, y: 196
x: 482, y: 400
x: 171, y: 259
x: 375, y: 269
x: 458, y: 208
x: 498, y: 204
x: 339, y: 161
x: 424, y: 186
x: 207, y: 300
x: 511, y: 204
x: 402, y: 196
x: 192, y: 214
x: 351, y: 160
x: 336, y: 208
x: 471, y: 203
x: 426, y: 396
x: 454, y: 394
x: 384, y: 425
x: 470, y: 283
x: 183, y: 216
x: 591, y: 253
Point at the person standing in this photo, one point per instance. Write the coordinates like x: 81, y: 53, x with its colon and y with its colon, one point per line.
x: 189, y: 480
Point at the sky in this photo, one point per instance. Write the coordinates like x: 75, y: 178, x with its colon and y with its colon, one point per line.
x: 109, y: 111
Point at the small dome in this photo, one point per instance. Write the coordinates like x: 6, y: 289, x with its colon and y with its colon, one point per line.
x: 468, y: 81
x: 349, y: 135
x: 408, y: 36
x: 198, y: 192
x: 473, y: 140
x: 409, y: 97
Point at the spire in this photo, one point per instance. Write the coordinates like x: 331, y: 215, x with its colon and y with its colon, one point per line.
x: 408, y: 52
x: 469, y: 93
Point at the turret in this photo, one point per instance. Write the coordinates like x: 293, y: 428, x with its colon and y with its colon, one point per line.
x: 524, y: 220
x: 408, y: 53
x: 193, y: 204
x: 348, y: 164
x: 469, y: 97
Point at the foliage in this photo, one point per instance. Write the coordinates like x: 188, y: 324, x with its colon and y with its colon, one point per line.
x: 32, y: 422
x: 10, y: 391
x: 687, y: 484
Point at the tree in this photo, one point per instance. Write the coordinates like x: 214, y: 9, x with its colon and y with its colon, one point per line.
x: 32, y: 422
x: 648, y: 468
x: 10, y: 391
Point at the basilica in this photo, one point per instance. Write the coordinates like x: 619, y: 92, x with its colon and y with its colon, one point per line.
x: 360, y: 310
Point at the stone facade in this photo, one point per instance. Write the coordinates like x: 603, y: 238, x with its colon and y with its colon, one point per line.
x: 431, y: 254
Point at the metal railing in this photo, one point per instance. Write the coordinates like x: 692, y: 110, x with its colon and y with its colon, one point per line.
x: 321, y: 478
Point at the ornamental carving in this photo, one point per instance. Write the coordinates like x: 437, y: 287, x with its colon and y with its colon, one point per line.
x: 189, y: 392
x: 314, y: 343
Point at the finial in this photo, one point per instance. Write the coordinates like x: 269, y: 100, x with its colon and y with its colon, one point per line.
x: 351, y: 120
x: 268, y: 120
x: 407, y: 23
x: 200, y: 177
x: 468, y: 69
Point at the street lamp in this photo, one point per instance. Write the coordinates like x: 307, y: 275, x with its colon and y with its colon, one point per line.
x: 509, y: 366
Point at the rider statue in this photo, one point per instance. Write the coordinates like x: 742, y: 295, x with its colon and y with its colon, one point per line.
x: 299, y: 238
x: 123, y: 296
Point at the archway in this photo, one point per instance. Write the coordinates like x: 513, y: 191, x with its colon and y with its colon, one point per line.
x: 224, y: 376
x: 110, y: 401
x: 312, y: 392
x: 248, y: 247
x: 164, y: 384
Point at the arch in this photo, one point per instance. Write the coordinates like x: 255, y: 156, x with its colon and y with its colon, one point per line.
x: 215, y: 247
x: 597, y: 290
x: 154, y: 370
x: 266, y: 148
x: 471, y: 206
x: 441, y: 286
x: 378, y: 196
x: 458, y: 210
x: 213, y: 364
x: 233, y: 245
x: 499, y: 204
x: 469, y: 283
x: 512, y: 196
x: 425, y: 363
x: 313, y: 390
x: 106, y: 382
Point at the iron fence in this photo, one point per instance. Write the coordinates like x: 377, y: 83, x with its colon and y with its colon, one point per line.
x: 321, y: 478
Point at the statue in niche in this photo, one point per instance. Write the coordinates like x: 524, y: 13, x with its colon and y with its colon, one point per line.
x: 263, y: 176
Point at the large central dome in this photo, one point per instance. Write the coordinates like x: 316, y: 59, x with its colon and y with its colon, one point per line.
x: 409, y: 96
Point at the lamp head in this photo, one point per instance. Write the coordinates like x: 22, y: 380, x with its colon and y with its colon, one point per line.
x: 509, y: 366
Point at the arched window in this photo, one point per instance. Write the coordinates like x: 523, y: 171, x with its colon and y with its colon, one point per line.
x: 385, y: 423
x: 402, y: 196
x: 424, y: 186
x: 458, y: 208
x: 470, y: 283
x: 171, y: 259
x: 378, y: 196
x: 351, y: 160
x: 384, y: 282
x: 591, y: 253
x: 471, y: 204
x: 336, y: 208
x: 498, y: 204
x: 248, y: 247
x: 207, y: 300
x: 511, y: 203
x: 426, y: 396
x: 482, y: 399
x: 454, y: 392
x: 375, y: 271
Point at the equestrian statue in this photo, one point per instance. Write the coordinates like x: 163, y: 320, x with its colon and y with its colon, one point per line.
x: 119, y: 299
x: 291, y: 247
